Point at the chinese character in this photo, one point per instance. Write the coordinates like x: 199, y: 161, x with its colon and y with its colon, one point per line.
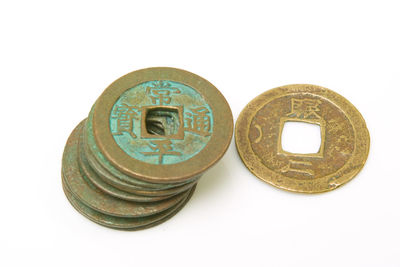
x: 125, y: 115
x: 198, y: 122
x: 161, y: 92
x: 298, y: 166
x: 161, y: 148
x: 305, y: 108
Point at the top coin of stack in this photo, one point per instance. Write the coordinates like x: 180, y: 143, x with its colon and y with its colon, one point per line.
x: 149, y: 137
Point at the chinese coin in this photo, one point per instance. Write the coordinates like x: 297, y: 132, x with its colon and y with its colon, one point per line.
x: 137, y: 158
x: 344, y: 138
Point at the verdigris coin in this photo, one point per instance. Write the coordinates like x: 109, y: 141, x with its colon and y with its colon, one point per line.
x: 137, y: 158
x: 93, y: 197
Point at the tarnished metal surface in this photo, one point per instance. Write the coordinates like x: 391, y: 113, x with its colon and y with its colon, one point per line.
x: 150, y: 136
x: 344, y: 138
x: 122, y: 223
x: 213, y: 122
x: 91, y: 196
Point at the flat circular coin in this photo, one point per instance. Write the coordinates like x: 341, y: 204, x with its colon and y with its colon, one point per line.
x: 95, y: 173
x: 113, y: 177
x: 162, y: 125
x: 111, y: 173
x: 344, y: 138
x: 121, y: 223
x: 88, y: 172
x: 91, y: 196
x: 137, y: 158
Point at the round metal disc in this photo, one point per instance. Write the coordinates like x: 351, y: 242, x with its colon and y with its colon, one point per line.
x: 88, y: 172
x: 162, y: 125
x: 114, y: 177
x: 94, y: 198
x: 344, y: 138
x: 121, y: 223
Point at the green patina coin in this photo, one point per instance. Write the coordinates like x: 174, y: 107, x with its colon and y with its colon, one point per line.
x: 161, y: 122
x: 94, y: 198
x: 148, y: 139
x: 116, y: 178
x: 88, y: 172
x: 121, y: 223
x: 161, y: 125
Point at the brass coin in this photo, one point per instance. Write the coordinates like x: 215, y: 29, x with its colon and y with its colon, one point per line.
x: 344, y: 138
x: 94, y: 198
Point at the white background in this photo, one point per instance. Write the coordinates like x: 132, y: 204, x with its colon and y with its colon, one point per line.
x: 56, y: 57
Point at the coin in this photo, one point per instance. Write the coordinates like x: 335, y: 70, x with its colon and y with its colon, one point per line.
x: 104, y: 180
x: 122, y: 223
x: 115, y: 177
x: 180, y: 125
x: 344, y: 138
x: 137, y: 158
x: 92, y: 197
x: 94, y: 178
x: 122, y: 181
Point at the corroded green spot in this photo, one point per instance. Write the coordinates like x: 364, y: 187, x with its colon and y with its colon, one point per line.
x: 161, y: 122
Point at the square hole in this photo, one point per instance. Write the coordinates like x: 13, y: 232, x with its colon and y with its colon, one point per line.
x: 301, y: 138
x: 162, y: 122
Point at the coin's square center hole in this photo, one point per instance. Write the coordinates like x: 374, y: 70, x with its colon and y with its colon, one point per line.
x: 301, y: 137
x: 162, y: 121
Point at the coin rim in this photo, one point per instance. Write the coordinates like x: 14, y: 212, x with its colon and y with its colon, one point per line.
x: 326, y: 183
x: 160, y: 217
x: 115, y: 178
x: 76, y: 182
x: 207, y: 157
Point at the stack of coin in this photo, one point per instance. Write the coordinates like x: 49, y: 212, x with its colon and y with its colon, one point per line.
x: 136, y: 160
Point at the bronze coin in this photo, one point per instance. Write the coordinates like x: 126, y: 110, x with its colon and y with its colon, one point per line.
x: 344, y: 138
x: 121, y: 223
x: 147, y: 141
x: 115, y: 181
x: 94, y: 198
x: 114, y: 177
x: 97, y: 159
x: 110, y: 184
x: 92, y: 175
x: 162, y: 125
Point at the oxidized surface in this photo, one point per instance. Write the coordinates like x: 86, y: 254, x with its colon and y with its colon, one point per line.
x: 123, y: 223
x: 161, y: 115
x: 172, y: 125
x: 91, y: 196
x: 344, y: 138
x: 136, y: 160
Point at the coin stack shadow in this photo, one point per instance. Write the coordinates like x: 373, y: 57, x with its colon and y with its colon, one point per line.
x: 107, y: 196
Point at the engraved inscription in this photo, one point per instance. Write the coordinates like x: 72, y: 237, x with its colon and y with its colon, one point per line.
x: 298, y: 166
x: 304, y: 108
x: 337, y: 137
x: 168, y: 122
x: 258, y: 127
x: 160, y: 92
x: 125, y: 116
x: 161, y: 148
x: 198, y: 121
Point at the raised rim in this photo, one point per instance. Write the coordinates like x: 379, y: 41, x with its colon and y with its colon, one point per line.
x: 352, y: 167
x: 207, y: 157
